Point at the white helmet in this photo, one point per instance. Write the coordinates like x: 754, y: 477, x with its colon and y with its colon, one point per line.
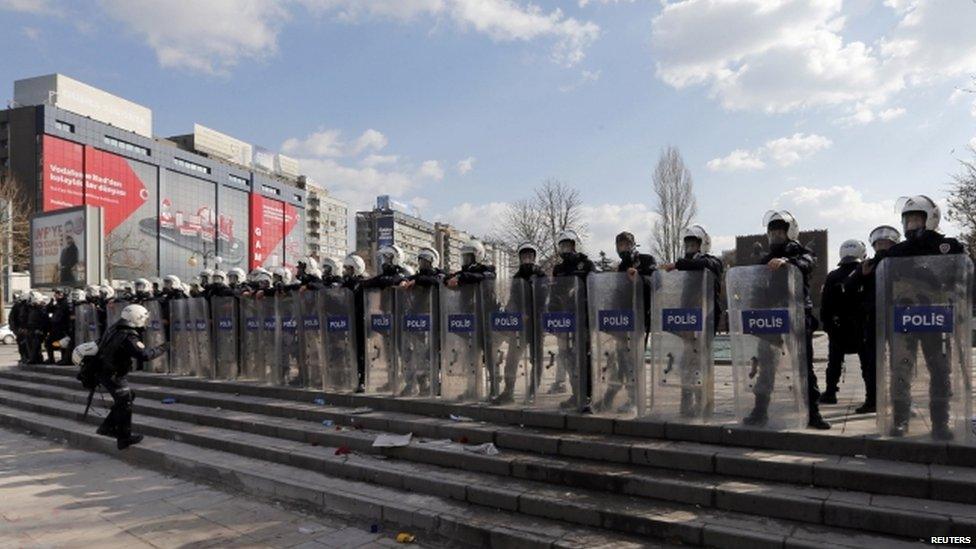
x: 568, y: 234
x: 527, y: 246
x: 172, y: 281
x: 106, y: 291
x: 332, y: 265
x: 238, y: 274
x: 923, y: 204
x: 88, y: 348
x: 314, y: 271
x: 142, y: 286
x: 37, y: 298
x: 408, y: 270
x: 261, y: 275
x: 430, y: 255
x: 793, y: 228
x: 852, y: 251
x: 187, y: 287
x: 136, y: 316
x: 91, y: 291
x: 698, y: 232
x: 309, y: 262
x: 283, y: 273
x: 391, y: 254
x: 218, y: 277
x: 475, y: 248
x: 78, y: 296
x: 20, y: 295
x: 205, y: 276
x: 356, y: 263
x: 884, y: 232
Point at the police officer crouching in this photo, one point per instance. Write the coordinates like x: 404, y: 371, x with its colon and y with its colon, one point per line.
x: 121, y: 343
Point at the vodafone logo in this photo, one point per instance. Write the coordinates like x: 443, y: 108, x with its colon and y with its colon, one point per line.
x: 144, y: 194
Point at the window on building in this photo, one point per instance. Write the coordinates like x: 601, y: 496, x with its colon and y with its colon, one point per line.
x: 192, y: 166
x: 64, y: 126
x: 270, y: 190
x: 126, y: 146
x: 237, y: 179
x: 298, y: 198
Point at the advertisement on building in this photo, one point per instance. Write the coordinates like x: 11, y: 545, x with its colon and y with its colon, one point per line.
x: 271, y: 221
x: 187, y: 225
x: 125, y: 190
x: 66, y: 248
x: 384, y: 231
x: 232, y: 228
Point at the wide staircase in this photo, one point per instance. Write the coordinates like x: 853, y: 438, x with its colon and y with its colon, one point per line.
x: 557, y: 480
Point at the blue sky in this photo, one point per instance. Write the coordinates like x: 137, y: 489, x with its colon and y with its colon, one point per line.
x: 830, y: 109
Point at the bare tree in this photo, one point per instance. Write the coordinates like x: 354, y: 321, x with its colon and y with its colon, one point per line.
x: 554, y: 207
x: 962, y: 203
x: 15, y: 210
x: 124, y: 252
x: 676, y: 204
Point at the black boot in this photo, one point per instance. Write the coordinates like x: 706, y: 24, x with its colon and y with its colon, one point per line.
x: 760, y: 413
x: 124, y: 443
x: 867, y: 408
x: 829, y: 396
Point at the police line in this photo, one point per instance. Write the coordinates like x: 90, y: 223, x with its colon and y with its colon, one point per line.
x: 568, y: 343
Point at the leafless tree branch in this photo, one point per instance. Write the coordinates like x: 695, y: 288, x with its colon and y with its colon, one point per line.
x: 676, y: 204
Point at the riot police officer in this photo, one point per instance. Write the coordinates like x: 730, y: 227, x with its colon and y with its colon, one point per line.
x: 353, y: 276
x: 528, y: 270
x: 920, y: 218
x: 782, y: 230
x: 203, y: 282
x: 303, y: 275
x: 218, y: 286
x: 142, y: 291
x: 236, y: 279
x: 697, y: 245
x: 841, y: 317
x: 429, y: 275
x: 59, y: 329
x: 473, y: 266
x: 18, y: 323
x: 391, y: 272
x: 860, y: 286
x: 37, y: 326
x: 120, y: 344
x: 573, y: 262
x: 331, y: 273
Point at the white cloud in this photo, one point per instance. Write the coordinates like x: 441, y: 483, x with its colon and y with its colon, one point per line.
x: 737, y: 160
x: 466, y: 165
x: 584, y: 3
x: 972, y: 144
x: 605, y: 221
x: 370, y: 140
x: 379, y: 159
x: 480, y: 220
x: 431, y: 169
x: 500, y: 20
x: 212, y: 36
x: 784, y: 151
x: 32, y: 33
x: 891, y: 114
x: 28, y: 6
x: 329, y: 142
x: 792, y: 54
x: 585, y: 77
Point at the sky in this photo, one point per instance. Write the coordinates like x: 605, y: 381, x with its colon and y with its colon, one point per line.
x: 830, y: 109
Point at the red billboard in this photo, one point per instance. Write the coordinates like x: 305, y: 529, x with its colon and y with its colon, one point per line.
x: 75, y: 175
x: 271, y: 220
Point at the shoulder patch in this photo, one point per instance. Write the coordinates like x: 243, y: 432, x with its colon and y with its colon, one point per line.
x: 945, y: 247
x: 580, y: 266
x: 140, y: 344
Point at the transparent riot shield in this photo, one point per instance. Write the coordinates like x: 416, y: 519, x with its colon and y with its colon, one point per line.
x: 86, y: 323
x: 508, y: 310
x: 113, y: 311
x: 226, y: 333
x: 199, y: 315
x: 924, y: 367
x: 682, y: 330
x: 616, y: 314
x: 288, y: 339
x: 155, y: 336
x: 560, y: 317
x: 380, y: 342
x: 268, y: 351
x: 340, y: 372
x: 252, y: 324
x: 463, y: 377
x: 312, y: 333
x: 416, y: 327
x: 183, y: 355
x: 767, y: 327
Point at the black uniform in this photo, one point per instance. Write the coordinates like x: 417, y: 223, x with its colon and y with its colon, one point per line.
x: 119, y: 345
x: 59, y: 314
x: 693, y: 401
x: 38, y: 324
x: 390, y: 275
x: 804, y: 259
x: 474, y: 273
x: 427, y: 277
x: 18, y: 324
x: 506, y: 386
x: 904, y: 358
x: 699, y: 262
x: 355, y: 284
x: 842, y: 320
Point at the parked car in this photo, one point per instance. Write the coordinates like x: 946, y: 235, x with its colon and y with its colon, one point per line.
x: 7, y: 336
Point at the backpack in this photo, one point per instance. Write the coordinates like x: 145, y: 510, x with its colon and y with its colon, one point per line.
x: 85, y: 356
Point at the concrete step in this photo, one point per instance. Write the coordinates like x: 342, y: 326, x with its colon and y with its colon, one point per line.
x: 827, y: 472
x: 804, y: 504
x: 464, y: 524
x: 582, y: 508
x: 832, y: 442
